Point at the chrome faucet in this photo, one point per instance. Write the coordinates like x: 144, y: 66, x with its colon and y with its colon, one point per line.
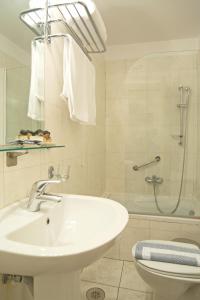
x: 154, y: 179
x: 39, y: 196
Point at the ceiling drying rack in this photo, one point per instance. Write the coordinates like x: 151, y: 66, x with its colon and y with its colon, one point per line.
x: 76, y: 18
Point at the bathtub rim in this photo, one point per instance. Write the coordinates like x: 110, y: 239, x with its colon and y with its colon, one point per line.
x: 167, y: 219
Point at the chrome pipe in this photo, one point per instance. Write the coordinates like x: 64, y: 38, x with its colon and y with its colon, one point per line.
x: 87, y: 29
x: 77, y: 25
x: 156, y: 159
x: 46, y: 25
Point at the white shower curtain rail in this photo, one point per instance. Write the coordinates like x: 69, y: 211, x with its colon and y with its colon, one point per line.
x: 83, y: 30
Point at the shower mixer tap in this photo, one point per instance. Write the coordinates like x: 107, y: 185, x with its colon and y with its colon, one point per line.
x: 154, y: 179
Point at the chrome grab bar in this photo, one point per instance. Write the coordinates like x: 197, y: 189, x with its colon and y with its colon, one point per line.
x: 156, y: 159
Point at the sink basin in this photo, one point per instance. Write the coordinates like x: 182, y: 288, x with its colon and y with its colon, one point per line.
x: 53, y: 245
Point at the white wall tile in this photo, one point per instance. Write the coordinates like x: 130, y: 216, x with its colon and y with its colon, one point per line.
x: 2, y: 187
x: 85, y: 145
x: 149, y: 88
x: 129, y: 237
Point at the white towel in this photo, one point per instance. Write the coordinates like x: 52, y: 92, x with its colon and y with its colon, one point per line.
x: 36, y: 96
x: 37, y: 4
x: 92, y: 8
x: 79, y: 83
x: 168, y: 252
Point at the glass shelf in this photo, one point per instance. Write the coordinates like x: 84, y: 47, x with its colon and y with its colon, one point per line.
x: 10, y: 148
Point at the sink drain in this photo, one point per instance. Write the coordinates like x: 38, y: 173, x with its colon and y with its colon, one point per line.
x: 95, y: 294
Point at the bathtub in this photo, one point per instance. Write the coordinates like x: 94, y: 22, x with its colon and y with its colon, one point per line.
x: 145, y: 205
x: 146, y: 223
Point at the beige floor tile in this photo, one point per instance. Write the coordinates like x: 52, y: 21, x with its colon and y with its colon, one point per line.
x: 131, y: 279
x: 104, y: 271
x: 125, y: 294
x: 110, y: 292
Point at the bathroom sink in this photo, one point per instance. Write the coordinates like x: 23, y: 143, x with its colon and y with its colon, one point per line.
x: 60, y: 239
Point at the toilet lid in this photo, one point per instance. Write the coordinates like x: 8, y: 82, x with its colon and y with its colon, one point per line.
x: 171, y: 268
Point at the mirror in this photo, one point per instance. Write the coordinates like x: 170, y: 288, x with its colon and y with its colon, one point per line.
x: 15, y: 71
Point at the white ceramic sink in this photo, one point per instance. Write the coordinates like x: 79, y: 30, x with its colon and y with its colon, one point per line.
x: 54, y: 244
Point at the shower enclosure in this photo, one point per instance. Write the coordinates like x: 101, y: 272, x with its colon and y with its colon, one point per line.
x: 153, y: 105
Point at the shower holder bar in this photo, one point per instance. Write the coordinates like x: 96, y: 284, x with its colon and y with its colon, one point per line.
x: 182, y: 105
x: 156, y: 159
x: 69, y: 14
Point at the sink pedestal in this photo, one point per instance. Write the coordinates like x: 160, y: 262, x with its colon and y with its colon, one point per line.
x: 57, y: 286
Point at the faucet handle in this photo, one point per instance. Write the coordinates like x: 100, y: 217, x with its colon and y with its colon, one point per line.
x: 149, y: 179
x: 41, y: 185
x: 67, y: 172
x: 63, y: 173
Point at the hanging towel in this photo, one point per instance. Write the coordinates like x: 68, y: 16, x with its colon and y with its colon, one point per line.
x: 36, y: 96
x: 78, y: 83
x: 168, y: 252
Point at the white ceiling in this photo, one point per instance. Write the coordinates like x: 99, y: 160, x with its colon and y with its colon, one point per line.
x: 10, y: 25
x: 138, y: 21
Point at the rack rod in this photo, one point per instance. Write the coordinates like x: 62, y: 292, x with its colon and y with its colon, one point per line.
x: 84, y: 23
x: 94, y: 25
x: 73, y: 33
x: 78, y: 27
x: 83, y: 30
x: 58, y: 35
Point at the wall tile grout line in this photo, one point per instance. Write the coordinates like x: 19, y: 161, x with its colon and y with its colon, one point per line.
x: 146, y: 294
x: 119, y: 259
x: 112, y: 286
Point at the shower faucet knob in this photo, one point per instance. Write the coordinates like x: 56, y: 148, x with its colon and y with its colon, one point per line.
x: 154, y: 179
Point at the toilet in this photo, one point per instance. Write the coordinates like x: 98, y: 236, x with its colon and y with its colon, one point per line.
x: 170, y: 281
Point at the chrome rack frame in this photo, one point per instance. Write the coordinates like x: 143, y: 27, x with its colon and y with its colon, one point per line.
x: 58, y: 35
x: 84, y: 31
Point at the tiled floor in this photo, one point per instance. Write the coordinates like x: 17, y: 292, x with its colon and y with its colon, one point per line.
x: 118, y: 279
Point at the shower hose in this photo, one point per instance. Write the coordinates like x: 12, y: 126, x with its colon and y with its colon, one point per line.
x: 182, y: 172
